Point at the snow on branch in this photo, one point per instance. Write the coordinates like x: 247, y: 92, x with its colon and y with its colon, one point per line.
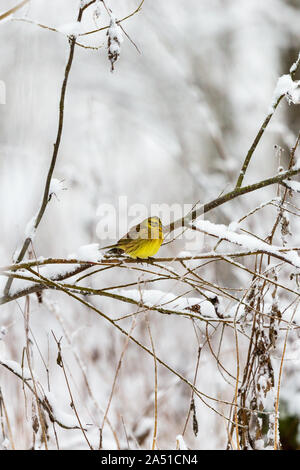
x: 287, y: 87
x: 293, y: 185
x: 222, y: 232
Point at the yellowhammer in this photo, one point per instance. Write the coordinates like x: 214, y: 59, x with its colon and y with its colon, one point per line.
x: 142, y: 240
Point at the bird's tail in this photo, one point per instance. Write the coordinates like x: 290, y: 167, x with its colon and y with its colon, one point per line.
x: 112, y: 249
x: 107, y: 247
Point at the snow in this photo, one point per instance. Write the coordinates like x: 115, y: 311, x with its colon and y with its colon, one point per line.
x: 5, y: 444
x: 53, y: 271
x: 56, y: 187
x: 30, y: 229
x: 233, y: 226
x: 62, y: 417
x: 3, y: 281
x: 115, y: 39
x: 20, y: 285
x: 262, y: 381
x: 50, y: 271
x: 293, y: 258
x: 184, y: 254
x: 83, y: 3
x: 16, y: 368
x: 246, y: 241
x: 3, y: 332
x: 297, y: 164
x: 169, y: 301
x: 89, y: 253
x: 114, y: 48
x: 173, y: 126
x: 114, y: 31
x: 285, y: 86
x: 3, y: 349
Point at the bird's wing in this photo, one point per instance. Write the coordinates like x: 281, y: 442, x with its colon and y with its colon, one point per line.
x: 133, y: 233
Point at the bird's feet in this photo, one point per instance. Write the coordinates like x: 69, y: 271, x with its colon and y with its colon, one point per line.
x: 148, y: 260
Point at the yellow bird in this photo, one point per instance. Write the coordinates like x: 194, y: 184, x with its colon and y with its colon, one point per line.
x: 142, y: 241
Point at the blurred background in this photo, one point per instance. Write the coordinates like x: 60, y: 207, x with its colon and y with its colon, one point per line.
x: 172, y: 124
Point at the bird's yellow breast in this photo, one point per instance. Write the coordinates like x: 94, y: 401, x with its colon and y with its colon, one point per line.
x: 150, y: 248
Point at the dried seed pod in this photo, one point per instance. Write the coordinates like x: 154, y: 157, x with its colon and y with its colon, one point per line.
x: 114, y: 41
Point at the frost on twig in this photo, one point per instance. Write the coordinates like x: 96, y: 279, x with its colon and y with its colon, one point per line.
x: 13, y: 10
x: 258, y: 393
x: 115, y: 38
